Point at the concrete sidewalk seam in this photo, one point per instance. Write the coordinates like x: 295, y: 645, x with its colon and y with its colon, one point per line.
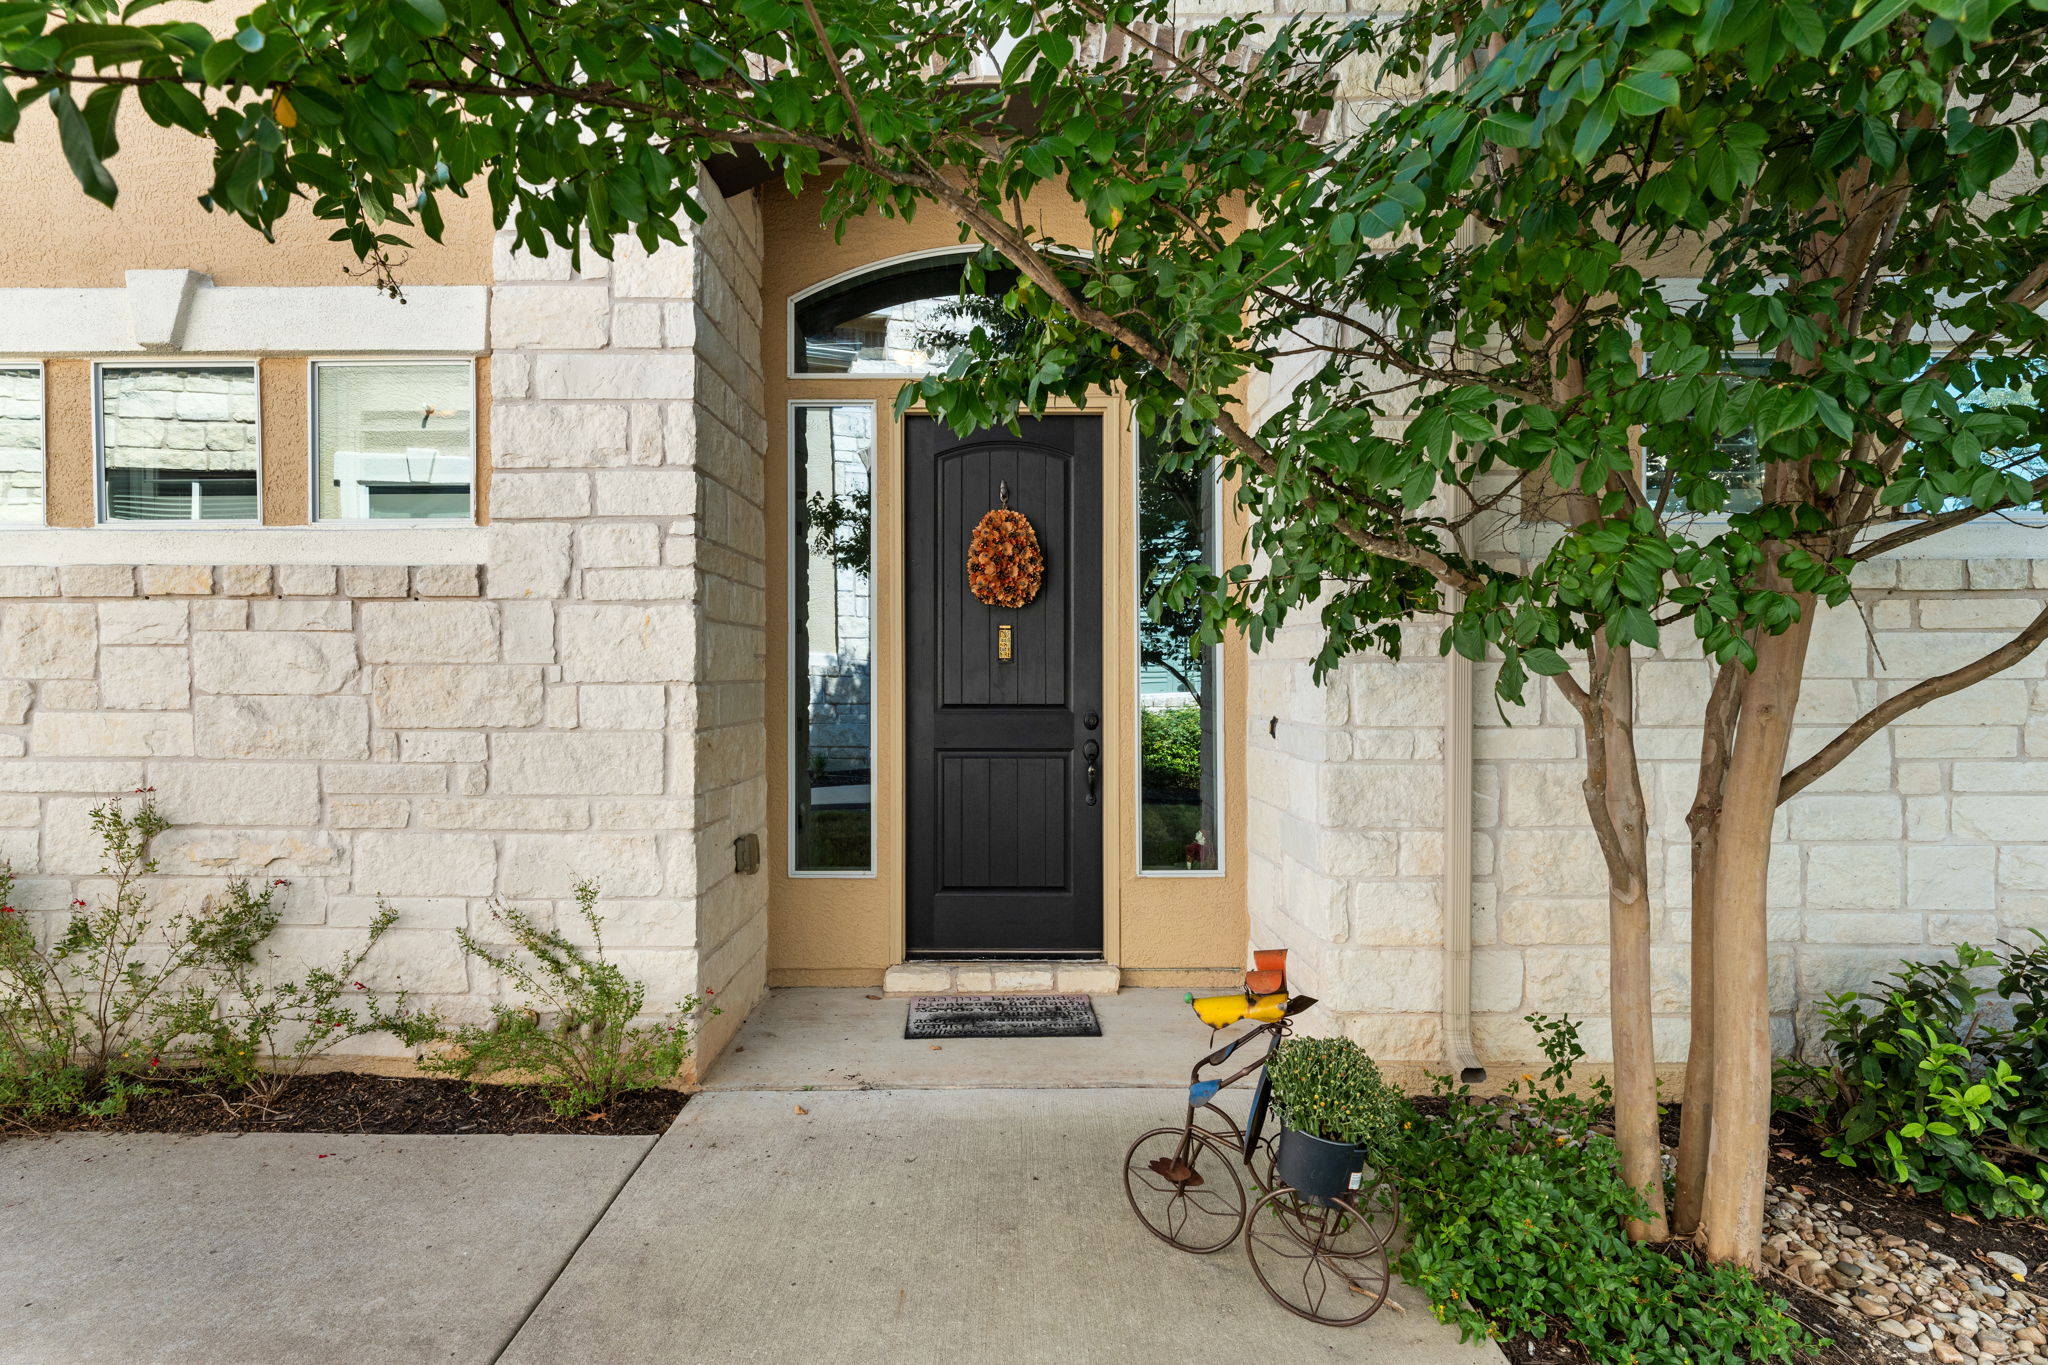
x: 548, y: 1288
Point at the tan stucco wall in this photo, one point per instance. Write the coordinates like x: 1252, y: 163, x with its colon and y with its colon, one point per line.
x: 52, y: 235
x: 845, y: 931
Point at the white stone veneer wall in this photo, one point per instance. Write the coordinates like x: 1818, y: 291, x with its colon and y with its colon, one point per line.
x: 1935, y: 832
x: 585, y: 704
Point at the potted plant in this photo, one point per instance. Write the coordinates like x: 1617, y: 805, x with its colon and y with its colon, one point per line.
x: 1335, y: 1111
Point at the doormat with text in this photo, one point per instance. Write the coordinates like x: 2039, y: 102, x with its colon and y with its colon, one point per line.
x: 1001, y: 1016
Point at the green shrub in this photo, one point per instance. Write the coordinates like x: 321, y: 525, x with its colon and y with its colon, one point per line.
x: 1170, y: 743
x: 80, y: 1025
x: 1515, y: 1209
x: 1923, y: 1088
x: 574, y: 1037
x: 249, y: 1036
x: 1329, y: 1088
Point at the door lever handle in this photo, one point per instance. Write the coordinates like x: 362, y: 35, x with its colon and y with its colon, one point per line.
x: 1091, y: 751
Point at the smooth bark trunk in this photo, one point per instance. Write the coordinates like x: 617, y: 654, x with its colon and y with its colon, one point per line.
x: 1732, y: 1211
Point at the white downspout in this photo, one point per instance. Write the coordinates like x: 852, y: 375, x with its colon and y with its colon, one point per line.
x: 1459, y: 1053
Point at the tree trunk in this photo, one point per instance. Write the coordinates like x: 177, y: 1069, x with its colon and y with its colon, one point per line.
x: 1717, y: 735
x: 1732, y: 1211
x: 1628, y: 954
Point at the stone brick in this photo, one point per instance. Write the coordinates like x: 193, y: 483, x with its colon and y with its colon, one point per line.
x: 416, y: 863
x: 1545, y: 794
x: 69, y: 694
x: 664, y: 273
x: 97, y: 778
x: 646, y: 493
x: 457, y: 696
x: 626, y: 644
x: 1845, y: 817
x: 1998, y: 575
x: 516, y: 496
x: 614, y: 375
x: 15, y: 698
x: 1551, y: 862
x: 238, y: 794
x: 1926, y: 653
x: 1999, y: 701
x: 919, y: 978
x: 1956, y: 742
x: 98, y: 580
x: 142, y: 623
x: 299, y: 613
x: 441, y: 746
x: 384, y: 779
x: 484, y: 813
x: 1396, y: 913
x: 1566, y: 979
x: 368, y: 812
x: 1954, y: 877
x: 1554, y: 922
x: 1863, y: 929
x: 618, y: 545
x: 27, y: 580
x: 1853, y: 876
x: 558, y: 435
x: 636, y: 326
x: 527, y: 560
x: 306, y: 580
x: 109, y: 734
x: 2023, y: 867
x: 429, y: 632
x: 577, y: 764
x: 448, y: 580
x: 2001, y: 777
x: 175, y: 580
x: 1931, y: 575
x: 220, y: 614
x: 1840, y: 646
x: 551, y: 316
x: 374, y: 580
x: 547, y: 867
x: 638, y: 585
x: 245, y: 580
x: 1978, y: 613
x: 249, y: 853
x: 48, y: 640
x: 1384, y: 796
x: 2018, y: 819
x: 273, y: 662
x: 632, y: 707
x: 282, y: 727
x: 145, y: 679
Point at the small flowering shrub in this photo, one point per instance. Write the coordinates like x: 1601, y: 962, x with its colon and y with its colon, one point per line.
x: 248, y: 1037
x: 1515, y: 1210
x: 577, y: 1035
x: 80, y: 1023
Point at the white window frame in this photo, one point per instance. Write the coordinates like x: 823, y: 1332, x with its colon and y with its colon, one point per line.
x: 876, y: 664
x: 42, y: 373
x: 313, y: 365
x: 99, y: 440
x: 1137, y: 678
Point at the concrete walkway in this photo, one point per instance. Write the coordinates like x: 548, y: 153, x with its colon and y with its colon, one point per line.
x: 963, y: 1205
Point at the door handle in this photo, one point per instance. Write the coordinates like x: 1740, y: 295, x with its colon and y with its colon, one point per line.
x: 1092, y: 751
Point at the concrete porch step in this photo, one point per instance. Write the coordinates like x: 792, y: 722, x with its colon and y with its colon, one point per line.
x: 1002, y: 978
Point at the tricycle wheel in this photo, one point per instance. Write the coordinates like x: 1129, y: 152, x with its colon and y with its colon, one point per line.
x: 1324, y: 1264
x: 1185, y: 1189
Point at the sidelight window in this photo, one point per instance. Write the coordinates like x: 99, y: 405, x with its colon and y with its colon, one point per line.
x: 178, y: 442
x: 21, y: 444
x: 1179, y: 678
x: 832, y: 462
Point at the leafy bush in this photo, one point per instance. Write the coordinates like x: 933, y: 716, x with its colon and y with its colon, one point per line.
x: 1170, y: 742
x: 1329, y: 1088
x: 1926, y: 1090
x: 575, y: 1038
x: 250, y: 1036
x: 1515, y: 1210
x: 80, y: 1024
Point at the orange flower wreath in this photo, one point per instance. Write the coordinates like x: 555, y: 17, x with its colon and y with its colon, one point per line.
x: 1004, y: 565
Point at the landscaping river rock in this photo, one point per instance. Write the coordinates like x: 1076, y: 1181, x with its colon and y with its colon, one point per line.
x: 1931, y: 1303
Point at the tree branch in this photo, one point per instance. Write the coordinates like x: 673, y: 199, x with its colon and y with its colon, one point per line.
x: 1912, y: 699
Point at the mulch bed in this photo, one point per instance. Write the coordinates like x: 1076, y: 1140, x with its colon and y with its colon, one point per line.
x: 351, y: 1102
x: 1879, y: 1207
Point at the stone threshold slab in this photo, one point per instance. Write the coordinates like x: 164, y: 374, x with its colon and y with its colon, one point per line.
x: 1002, y: 978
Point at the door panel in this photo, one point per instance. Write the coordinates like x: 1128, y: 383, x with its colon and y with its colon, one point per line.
x: 1004, y: 845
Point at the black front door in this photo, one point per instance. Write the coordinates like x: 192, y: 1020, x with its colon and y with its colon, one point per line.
x: 1005, y: 765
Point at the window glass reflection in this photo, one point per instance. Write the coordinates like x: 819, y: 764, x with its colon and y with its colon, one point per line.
x: 833, y: 737
x: 1179, y: 681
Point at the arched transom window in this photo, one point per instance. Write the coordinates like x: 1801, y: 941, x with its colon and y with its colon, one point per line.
x: 907, y: 317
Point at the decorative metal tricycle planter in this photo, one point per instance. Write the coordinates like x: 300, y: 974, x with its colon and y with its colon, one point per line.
x: 1315, y: 1221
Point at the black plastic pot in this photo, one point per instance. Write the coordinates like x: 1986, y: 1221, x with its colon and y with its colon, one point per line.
x: 1321, y: 1170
